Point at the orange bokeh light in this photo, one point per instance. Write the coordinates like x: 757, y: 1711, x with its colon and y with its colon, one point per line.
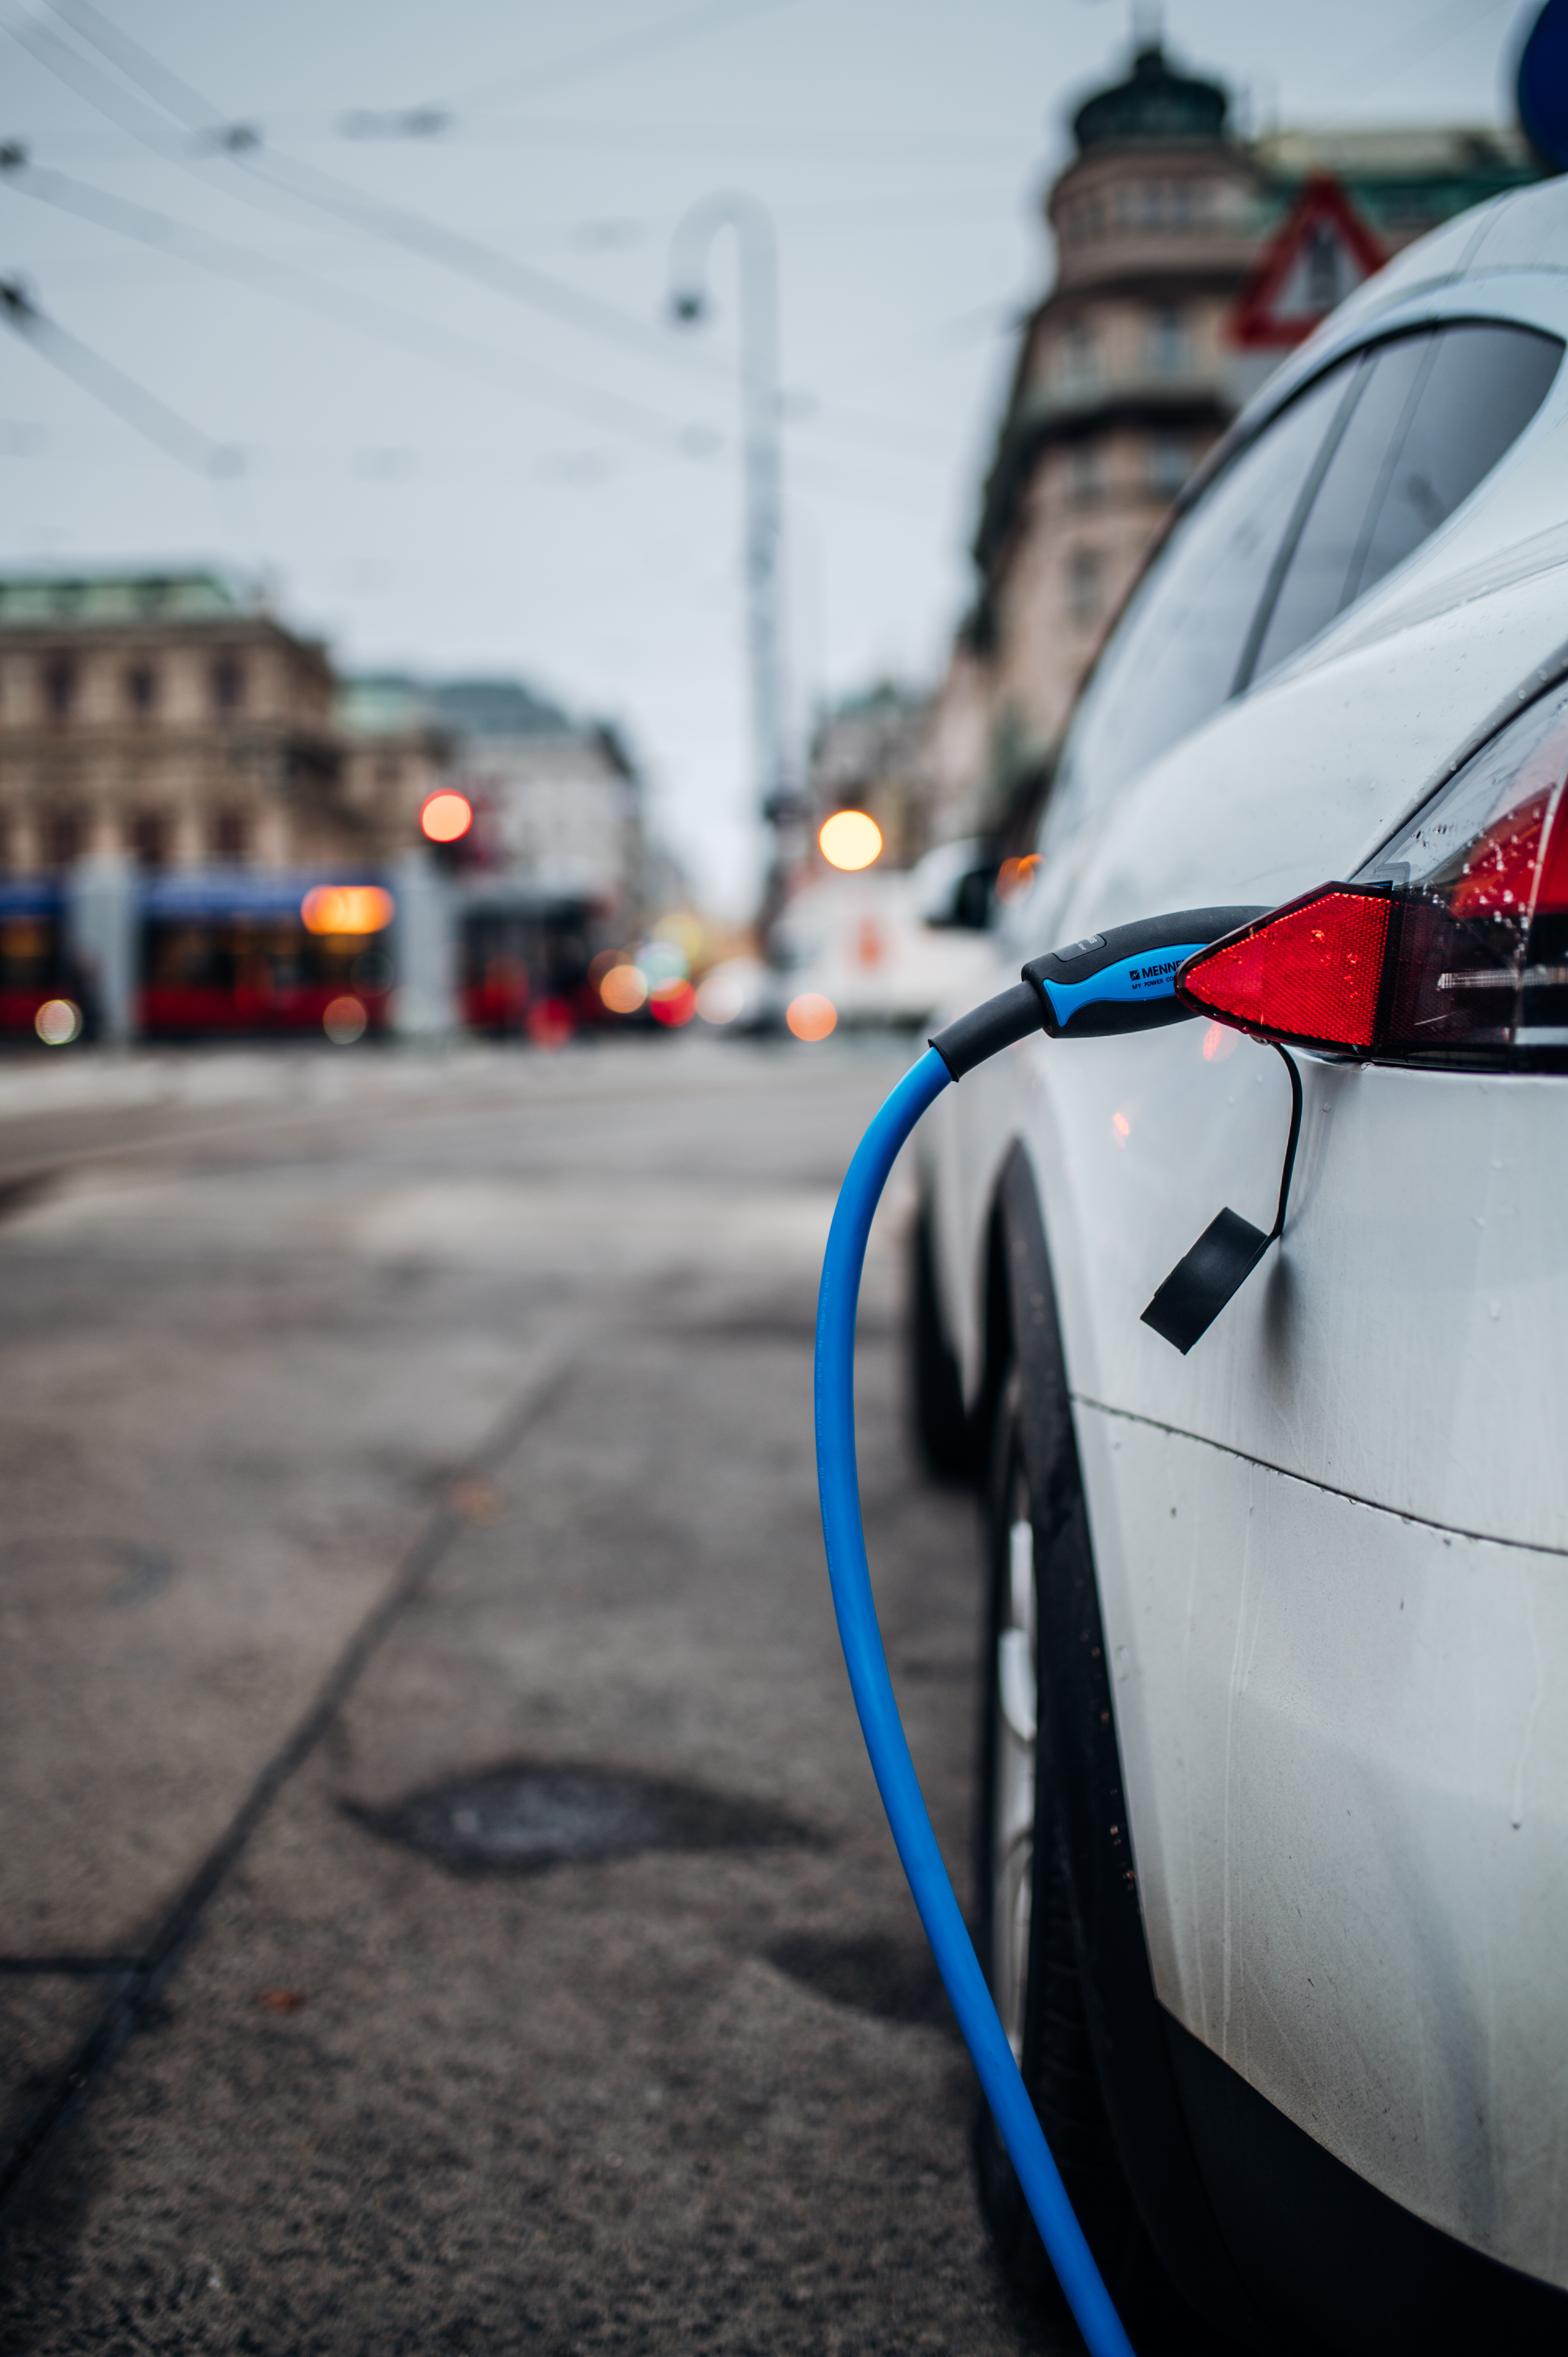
x: 1015, y: 877
x: 811, y: 1017
x: 673, y: 1002
x: 446, y: 816
x: 623, y: 989
x: 346, y: 908
x: 850, y: 839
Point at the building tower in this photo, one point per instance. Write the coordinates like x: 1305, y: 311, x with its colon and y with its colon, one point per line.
x: 1129, y: 369
x: 1122, y: 384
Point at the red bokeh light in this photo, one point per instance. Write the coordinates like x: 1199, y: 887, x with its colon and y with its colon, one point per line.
x: 673, y: 1002
x: 446, y: 817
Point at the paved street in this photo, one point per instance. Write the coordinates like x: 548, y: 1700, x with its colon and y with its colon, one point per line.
x: 435, y: 1831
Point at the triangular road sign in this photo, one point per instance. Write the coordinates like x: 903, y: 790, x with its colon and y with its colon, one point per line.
x: 1321, y: 251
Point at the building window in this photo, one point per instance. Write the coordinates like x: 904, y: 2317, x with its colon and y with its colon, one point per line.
x: 59, y: 687
x: 142, y: 689
x: 1080, y: 356
x: 63, y: 837
x: 231, y: 835
x: 1165, y: 341
x: 1084, y: 595
x: 149, y: 838
x: 1084, y: 477
x: 228, y: 684
x: 1167, y: 466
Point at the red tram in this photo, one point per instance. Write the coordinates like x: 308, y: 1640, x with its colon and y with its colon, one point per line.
x: 36, y: 965
x: 230, y: 954
x: 264, y: 954
x: 524, y: 965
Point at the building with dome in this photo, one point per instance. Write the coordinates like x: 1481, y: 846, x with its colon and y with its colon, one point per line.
x: 1127, y: 372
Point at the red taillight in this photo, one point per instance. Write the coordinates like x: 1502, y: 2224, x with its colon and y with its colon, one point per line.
x: 1499, y: 874
x: 1450, y: 947
x: 1313, y: 972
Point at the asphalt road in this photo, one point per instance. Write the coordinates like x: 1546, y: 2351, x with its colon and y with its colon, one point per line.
x: 443, y: 1902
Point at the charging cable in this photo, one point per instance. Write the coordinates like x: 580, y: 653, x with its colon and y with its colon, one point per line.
x: 1120, y: 981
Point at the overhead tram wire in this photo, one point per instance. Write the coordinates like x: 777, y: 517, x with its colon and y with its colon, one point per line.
x: 227, y: 140
x: 961, y: 151
x: 155, y: 132
x: 131, y: 403
x: 180, y: 99
x: 405, y: 331
x: 286, y: 283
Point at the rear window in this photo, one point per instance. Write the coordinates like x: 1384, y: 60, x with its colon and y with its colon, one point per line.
x: 1175, y: 654
x: 1430, y: 416
x: 1327, y: 498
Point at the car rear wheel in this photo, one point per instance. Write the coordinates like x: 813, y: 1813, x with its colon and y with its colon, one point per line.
x: 1026, y: 1934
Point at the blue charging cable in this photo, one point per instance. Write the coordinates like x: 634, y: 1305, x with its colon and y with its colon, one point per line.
x: 838, y: 1489
x: 1121, y: 980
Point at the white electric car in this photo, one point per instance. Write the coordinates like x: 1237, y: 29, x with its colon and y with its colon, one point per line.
x: 1273, y: 1843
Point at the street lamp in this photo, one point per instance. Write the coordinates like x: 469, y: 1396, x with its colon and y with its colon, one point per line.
x: 759, y: 254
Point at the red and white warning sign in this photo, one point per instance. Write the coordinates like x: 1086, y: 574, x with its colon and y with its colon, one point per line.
x: 1321, y: 251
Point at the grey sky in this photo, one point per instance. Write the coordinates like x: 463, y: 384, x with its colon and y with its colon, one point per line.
x: 444, y: 474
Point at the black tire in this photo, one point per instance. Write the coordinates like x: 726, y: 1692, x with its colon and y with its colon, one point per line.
x: 1027, y: 1937
x: 941, y: 1428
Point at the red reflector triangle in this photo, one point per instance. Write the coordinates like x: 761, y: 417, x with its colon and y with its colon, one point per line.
x: 1312, y: 971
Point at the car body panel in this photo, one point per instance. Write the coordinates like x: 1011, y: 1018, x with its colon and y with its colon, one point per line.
x: 1347, y: 1785
x: 1375, y: 1353
x: 1204, y: 825
x: 1332, y: 1542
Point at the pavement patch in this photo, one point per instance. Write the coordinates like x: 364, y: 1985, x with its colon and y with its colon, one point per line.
x: 894, y: 1980
x: 78, y: 1570
x: 525, y: 1816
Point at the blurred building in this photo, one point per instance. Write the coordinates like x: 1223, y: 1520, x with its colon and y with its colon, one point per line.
x: 172, y: 720
x: 394, y: 753
x: 557, y: 801
x: 1131, y: 368
x: 185, y: 787
x: 870, y: 753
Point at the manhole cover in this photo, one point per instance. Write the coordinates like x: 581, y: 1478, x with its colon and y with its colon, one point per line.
x: 524, y: 1817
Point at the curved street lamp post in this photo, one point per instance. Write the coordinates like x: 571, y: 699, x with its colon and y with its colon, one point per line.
x: 759, y: 255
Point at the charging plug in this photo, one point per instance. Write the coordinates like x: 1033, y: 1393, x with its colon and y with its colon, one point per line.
x: 1124, y: 980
